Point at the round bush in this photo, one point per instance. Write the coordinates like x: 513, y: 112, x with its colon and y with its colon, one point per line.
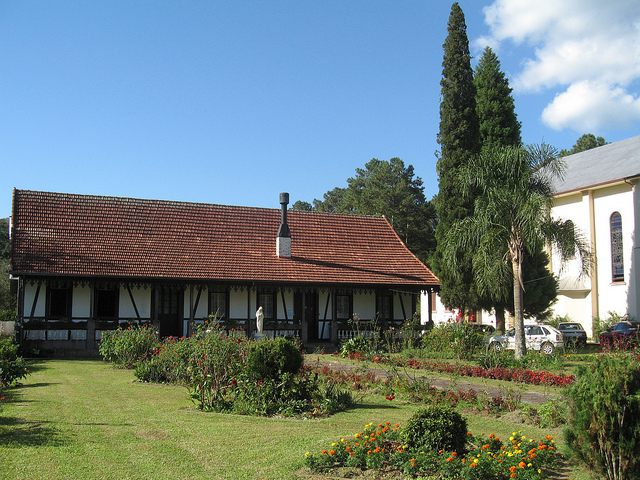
x: 436, y: 428
x: 270, y: 359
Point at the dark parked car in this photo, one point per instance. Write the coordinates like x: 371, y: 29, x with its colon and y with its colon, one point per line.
x: 573, y: 333
x: 622, y: 333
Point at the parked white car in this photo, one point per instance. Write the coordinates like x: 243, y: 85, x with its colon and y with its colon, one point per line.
x: 537, y: 337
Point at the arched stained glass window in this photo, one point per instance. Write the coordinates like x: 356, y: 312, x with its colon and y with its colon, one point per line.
x: 617, y: 261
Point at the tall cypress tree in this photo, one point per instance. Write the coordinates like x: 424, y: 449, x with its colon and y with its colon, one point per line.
x: 499, y: 127
x: 459, y: 140
x: 495, y: 106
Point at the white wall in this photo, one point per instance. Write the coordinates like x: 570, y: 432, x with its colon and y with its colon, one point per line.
x: 364, y: 305
x: 238, y: 304
x: 619, y: 297
x: 29, y: 295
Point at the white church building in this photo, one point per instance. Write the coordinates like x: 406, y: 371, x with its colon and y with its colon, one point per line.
x: 600, y: 194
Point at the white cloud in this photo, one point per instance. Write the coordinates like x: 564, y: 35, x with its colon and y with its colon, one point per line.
x: 588, y: 48
x: 586, y: 106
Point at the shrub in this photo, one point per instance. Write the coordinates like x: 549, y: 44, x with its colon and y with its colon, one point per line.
x: 273, y: 358
x: 605, y: 416
x: 12, y: 367
x: 169, y: 363
x: 452, y: 340
x: 436, y: 428
x: 216, y: 362
x: 128, y: 347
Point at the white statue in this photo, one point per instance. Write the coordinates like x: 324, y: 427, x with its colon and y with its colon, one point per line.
x: 260, y: 320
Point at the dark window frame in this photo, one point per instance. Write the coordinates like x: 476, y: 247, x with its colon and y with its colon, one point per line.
x: 210, y: 308
x: 56, y: 298
x: 269, y: 313
x: 350, y: 308
x: 106, y: 303
x: 617, y: 248
x: 384, y: 302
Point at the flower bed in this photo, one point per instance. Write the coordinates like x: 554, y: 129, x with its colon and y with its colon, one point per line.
x: 381, y: 447
x: 530, y: 377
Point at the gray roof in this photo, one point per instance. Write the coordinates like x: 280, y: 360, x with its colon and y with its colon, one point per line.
x: 602, y: 165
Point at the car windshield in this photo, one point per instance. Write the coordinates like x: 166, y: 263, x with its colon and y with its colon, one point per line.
x: 571, y: 326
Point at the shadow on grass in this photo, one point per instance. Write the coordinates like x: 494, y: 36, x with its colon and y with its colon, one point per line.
x: 17, y: 433
x: 36, y: 365
x: 360, y: 406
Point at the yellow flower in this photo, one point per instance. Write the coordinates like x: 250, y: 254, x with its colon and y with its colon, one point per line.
x: 307, y: 454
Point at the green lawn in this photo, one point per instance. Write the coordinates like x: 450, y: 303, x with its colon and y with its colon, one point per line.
x: 83, y: 419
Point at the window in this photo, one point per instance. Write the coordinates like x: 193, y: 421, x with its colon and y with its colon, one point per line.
x: 343, y: 307
x: 268, y: 303
x: 59, y: 302
x: 384, y: 306
x: 617, y: 260
x: 218, y: 304
x: 106, y: 303
x: 169, y: 301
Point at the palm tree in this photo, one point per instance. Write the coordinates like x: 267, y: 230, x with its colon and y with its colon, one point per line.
x: 512, y: 215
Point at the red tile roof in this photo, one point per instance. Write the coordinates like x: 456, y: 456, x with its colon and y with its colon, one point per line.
x: 86, y: 235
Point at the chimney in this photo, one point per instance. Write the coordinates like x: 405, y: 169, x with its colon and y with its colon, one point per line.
x: 283, y: 241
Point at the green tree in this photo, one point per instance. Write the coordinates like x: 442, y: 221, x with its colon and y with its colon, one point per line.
x: 585, y: 142
x: 512, y: 216
x: 391, y: 189
x: 459, y: 139
x: 604, y: 420
x: 301, y: 206
x: 4, y: 239
x: 499, y: 126
x: 7, y: 300
x: 495, y: 106
x: 332, y: 202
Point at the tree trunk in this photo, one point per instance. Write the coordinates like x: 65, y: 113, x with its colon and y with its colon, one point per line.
x: 521, y: 348
x: 500, y: 320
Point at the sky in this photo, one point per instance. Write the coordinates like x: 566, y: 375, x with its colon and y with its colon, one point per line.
x: 233, y: 102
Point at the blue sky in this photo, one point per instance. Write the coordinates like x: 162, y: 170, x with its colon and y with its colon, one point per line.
x: 232, y: 102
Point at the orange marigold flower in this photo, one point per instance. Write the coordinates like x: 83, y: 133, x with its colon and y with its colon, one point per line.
x: 473, y: 465
x: 512, y: 469
x: 348, y: 449
x: 468, y: 433
x: 454, y: 454
x: 513, y: 475
x: 332, y: 452
x: 451, y: 459
x: 522, y: 464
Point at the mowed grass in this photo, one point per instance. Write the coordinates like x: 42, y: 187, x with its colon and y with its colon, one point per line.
x: 83, y: 419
